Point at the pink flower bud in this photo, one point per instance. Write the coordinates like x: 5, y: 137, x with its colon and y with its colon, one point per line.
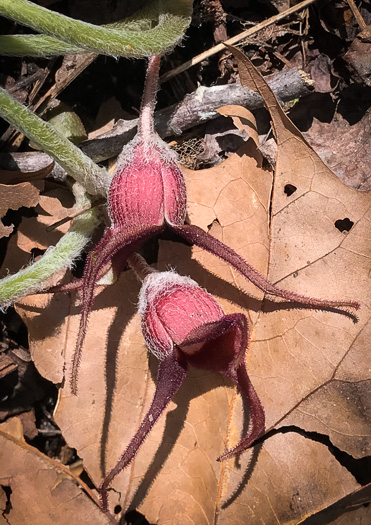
x: 148, y: 187
x: 184, y: 325
x: 178, y: 315
x: 147, y: 194
x: 172, y: 306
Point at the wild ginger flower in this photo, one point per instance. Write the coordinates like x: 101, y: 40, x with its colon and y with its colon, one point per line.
x: 146, y: 195
x: 184, y: 325
x: 147, y: 192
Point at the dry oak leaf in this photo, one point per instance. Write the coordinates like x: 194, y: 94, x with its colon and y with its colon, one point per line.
x: 293, y: 354
x: 267, y: 494
x: 53, y: 204
x: 329, y: 389
x: 13, y: 198
x: 43, y: 491
x: 176, y: 473
x: 116, y: 383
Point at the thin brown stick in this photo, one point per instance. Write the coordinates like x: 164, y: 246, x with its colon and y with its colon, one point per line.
x: 81, y: 62
x: 196, y: 108
x: 237, y: 38
x: 357, y: 15
x: 74, y: 215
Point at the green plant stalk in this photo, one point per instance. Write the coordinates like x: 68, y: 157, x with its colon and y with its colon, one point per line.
x: 94, y: 179
x: 33, y: 278
x: 173, y: 20
x: 47, y: 46
x: 35, y: 46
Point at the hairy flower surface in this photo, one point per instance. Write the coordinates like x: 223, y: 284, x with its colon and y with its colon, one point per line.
x: 184, y: 325
x: 148, y: 194
x: 148, y: 187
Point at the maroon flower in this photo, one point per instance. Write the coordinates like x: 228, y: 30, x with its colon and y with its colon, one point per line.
x: 148, y: 194
x: 184, y: 325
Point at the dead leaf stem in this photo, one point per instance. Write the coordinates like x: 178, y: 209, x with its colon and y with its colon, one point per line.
x: 234, y: 40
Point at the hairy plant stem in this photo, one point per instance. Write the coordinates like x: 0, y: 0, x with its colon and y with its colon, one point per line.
x: 72, y: 159
x: 146, y: 128
x: 140, y: 267
x: 173, y: 19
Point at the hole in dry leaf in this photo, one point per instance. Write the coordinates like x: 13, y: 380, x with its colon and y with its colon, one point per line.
x: 117, y: 509
x: 344, y: 225
x: 133, y: 517
x: 8, y: 505
x: 209, y: 226
x: 290, y: 189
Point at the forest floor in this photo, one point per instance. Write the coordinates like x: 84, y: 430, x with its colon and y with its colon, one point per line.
x: 331, y: 107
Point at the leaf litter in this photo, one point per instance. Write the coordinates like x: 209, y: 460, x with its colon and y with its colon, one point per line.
x: 40, y: 486
x: 308, y: 367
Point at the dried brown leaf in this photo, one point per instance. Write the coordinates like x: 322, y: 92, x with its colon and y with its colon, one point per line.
x: 344, y: 148
x: 299, y: 360
x: 310, y: 352
x: 13, y: 198
x: 358, y: 56
x: 116, y: 383
x: 46, y: 317
x: 42, y: 490
x: 17, y: 177
x: 53, y: 204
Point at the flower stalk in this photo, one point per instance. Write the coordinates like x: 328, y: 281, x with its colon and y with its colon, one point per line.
x: 146, y: 127
x: 140, y: 267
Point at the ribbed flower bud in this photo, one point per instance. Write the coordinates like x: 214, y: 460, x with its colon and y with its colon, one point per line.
x: 148, y: 187
x: 184, y: 325
x: 172, y: 306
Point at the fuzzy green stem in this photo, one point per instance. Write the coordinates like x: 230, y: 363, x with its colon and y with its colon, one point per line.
x: 94, y: 179
x: 34, y: 277
x: 173, y: 20
x: 35, y: 46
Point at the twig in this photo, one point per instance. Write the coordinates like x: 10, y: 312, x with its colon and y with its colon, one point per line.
x: 357, y: 15
x: 237, y: 38
x: 197, y: 108
x: 81, y: 62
